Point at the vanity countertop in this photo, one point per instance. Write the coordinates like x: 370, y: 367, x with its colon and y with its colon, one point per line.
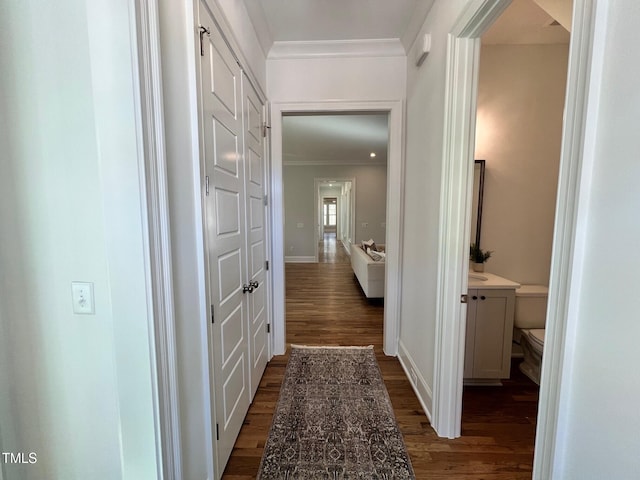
x: 489, y: 280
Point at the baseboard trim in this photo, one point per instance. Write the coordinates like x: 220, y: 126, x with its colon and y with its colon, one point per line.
x: 300, y: 259
x: 420, y: 387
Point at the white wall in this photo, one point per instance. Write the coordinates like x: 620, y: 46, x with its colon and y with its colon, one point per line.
x: 521, y: 90
x: 243, y: 31
x: 327, y: 79
x: 76, y: 389
x: 600, y: 420
x: 424, y: 153
x: 299, y: 203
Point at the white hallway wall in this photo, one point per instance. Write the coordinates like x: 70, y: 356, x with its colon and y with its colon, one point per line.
x: 76, y: 389
x: 328, y: 79
x: 521, y: 90
x: 299, y: 201
x: 599, y: 419
x: 424, y: 153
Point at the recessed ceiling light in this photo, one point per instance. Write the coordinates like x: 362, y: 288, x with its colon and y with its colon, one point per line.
x: 372, y: 154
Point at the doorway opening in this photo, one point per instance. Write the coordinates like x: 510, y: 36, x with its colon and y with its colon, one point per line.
x: 332, y: 152
x: 523, y: 62
x: 459, y: 148
x: 378, y: 149
x: 328, y: 245
x: 335, y: 218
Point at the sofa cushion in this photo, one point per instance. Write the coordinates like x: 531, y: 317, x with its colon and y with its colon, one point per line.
x: 376, y: 255
x: 368, y: 244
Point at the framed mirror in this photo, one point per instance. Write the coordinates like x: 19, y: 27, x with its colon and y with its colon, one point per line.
x: 476, y: 206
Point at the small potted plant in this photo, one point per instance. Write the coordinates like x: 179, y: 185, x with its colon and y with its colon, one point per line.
x: 478, y: 256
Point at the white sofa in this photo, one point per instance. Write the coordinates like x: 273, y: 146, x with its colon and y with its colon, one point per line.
x: 370, y: 273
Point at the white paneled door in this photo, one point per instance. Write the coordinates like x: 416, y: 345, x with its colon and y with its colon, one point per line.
x: 235, y: 224
x: 226, y: 236
x: 255, y: 177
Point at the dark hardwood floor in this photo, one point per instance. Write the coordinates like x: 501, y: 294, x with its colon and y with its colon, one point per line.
x: 325, y: 306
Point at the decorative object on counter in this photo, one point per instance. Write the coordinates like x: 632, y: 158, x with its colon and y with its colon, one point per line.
x: 478, y: 257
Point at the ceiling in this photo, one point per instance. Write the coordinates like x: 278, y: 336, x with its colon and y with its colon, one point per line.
x: 330, y: 20
x: 335, y: 139
x: 524, y: 22
x: 350, y: 138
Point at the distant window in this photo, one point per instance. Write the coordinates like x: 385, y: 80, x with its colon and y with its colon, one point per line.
x: 330, y: 214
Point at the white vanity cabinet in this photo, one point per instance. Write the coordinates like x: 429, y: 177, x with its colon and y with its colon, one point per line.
x: 489, y: 334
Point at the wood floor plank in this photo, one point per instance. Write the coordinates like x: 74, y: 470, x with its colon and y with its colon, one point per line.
x: 325, y: 306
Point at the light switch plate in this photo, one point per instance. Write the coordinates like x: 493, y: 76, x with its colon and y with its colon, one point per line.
x: 82, y: 298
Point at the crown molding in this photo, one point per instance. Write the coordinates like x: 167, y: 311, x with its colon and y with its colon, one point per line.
x: 380, y: 47
x: 332, y: 163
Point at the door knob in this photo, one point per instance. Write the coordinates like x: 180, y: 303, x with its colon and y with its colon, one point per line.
x: 254, y: 284
x: 247, y: 288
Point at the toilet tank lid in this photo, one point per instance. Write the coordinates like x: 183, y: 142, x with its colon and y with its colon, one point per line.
x: 532, y: 291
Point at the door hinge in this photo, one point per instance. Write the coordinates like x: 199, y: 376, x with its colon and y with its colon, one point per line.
x: 212, y: 316
x: 206, y: 185
x: 268, y: 328
x: 464, y: 298
x: 217, y: 432
x: 265, y: 127
x: 266, y: 265
x: 203, y: 30
x: 266, y: 200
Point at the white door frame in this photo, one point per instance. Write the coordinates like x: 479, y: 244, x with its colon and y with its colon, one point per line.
x: 394, y: 215
x: 585, y: 65
x: 151, y: 137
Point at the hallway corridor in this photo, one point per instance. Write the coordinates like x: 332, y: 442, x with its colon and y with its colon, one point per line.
x: 325, y: 306
x: 330, y: 250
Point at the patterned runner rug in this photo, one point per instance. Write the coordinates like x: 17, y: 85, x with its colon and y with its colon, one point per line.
x: 334, y: 420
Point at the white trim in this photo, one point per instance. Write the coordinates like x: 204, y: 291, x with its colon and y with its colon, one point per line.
x: 268, y: 225
x: 160, y: 265
x: 300, y: 259
x: 458, y: 150
x: 381, y: 47
x: 394, y: 220
x: 586, y: 59
x: 360, y: 163
x: 419, y: 384
x: 478, y: 17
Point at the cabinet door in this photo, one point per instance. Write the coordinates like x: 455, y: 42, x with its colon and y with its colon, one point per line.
x: 493, y: 334
x: 470, y: 334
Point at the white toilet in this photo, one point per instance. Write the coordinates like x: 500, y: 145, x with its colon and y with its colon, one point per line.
x: 529, y: 323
